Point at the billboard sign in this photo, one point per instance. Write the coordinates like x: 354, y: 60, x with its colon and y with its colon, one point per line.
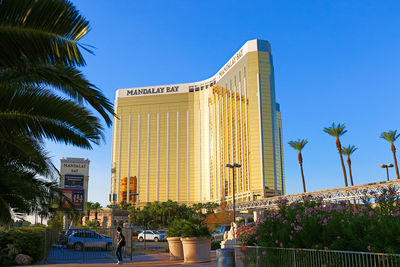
x: 76, y: 197
x: 73, y: 180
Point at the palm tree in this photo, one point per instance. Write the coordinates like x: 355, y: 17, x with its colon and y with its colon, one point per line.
x: 338, y: 131
x: 299, y: 145
x: 392, y: 136
x: 96, y: 207
x: 88, y: 208
x: 43, y: 49
x: 347, y: 151
x: 39, y: 55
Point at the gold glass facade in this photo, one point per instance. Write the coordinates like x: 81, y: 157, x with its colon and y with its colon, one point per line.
x: 175, y: 140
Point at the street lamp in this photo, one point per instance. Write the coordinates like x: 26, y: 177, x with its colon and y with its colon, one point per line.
x: 390, y: 165
x: 235, y: 165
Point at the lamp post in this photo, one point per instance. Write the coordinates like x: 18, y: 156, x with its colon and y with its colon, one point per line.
x: 390, y: 165
x: 235, y: 165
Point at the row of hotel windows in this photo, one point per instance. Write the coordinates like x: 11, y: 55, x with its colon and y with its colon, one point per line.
x: 194, y: 88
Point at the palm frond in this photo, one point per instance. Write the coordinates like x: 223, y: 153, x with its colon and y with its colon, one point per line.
x: 390, y: 136
x: 336, y: 131
x: 47, y: 116
x: 26, y: 35
x: 299, y: 144
x: 28, y: 152
x: 349, y: 150
x: 67, y: 79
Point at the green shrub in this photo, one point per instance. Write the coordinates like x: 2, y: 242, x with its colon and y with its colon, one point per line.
x: 312, y: 224
x: 92, y: 224
x: 194, y: 228
x: 175, y: 228
x: 215, y: 245
x: 29, y: 241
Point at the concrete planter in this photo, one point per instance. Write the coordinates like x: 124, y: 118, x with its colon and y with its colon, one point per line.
x: 175, y: 248
x: 196, y: 249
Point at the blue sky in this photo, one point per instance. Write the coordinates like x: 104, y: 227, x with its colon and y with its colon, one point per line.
x: 335, y: 61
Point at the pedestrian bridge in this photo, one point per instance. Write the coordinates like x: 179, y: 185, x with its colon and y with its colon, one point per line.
x: 355, y: 192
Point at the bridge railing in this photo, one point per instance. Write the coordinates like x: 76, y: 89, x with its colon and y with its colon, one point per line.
x: 256, y: 256
x: 329, y: 195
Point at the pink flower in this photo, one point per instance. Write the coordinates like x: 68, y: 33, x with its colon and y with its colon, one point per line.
x: 281, y: 245
x: 278, y: 216
x: 270, y: 234
x: 324, y: 265
x: 290, y: 237
x: 370, y: 213
x: 369, y: 248
x: 325, y: 248
x: 276, y: 241
x: 258, y: 257
x: 297, y: 250
x: 298, y: 217
x: 264, y: 252
x: 342, y: 220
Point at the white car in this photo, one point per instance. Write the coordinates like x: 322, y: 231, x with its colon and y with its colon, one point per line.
x: 150, y: 235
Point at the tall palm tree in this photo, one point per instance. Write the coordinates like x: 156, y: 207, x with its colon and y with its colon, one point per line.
x: 299, y: 145
x: 88, y: 208
x: 96, y: 207
x: 39, y: 45
x: 347, y: 151
x: 40, y: 52
x: 392, y: 136
x: 338, y: 131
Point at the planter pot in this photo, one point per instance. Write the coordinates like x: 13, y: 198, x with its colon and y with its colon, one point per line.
x: 175, y: 248
x: 196, y: 249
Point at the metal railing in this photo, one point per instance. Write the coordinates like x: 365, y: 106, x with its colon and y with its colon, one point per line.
x: 329, y: 195
x: 90, y: 246
x: 256, y: 256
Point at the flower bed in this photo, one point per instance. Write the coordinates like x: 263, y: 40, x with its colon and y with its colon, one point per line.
x: 330, y: 226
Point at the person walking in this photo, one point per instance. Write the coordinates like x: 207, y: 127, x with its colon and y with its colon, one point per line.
x: 120, y: 243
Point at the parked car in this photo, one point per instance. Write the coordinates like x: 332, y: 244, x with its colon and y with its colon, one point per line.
x: 151, y: 235
x: 164, y: 232
x: 85, y: 239
x: 219, y: 234
x: 63, y: 238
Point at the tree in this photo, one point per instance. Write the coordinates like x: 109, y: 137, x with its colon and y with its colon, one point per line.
x: 299, y: 145
x: 392, y: 136
x: 96, y: 207
x: 88, y: 208
x: 43, y: 49
x: 39, y: 56
x: 338, y: 131
x: 347, y: 151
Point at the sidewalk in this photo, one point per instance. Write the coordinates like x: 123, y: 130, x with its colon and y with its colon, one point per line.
x: 144, y: 260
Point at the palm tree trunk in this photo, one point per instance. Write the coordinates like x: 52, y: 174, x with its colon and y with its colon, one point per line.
x: 300, y: 158
x: 302, y: 177
x: 395, y: 161
x: 339, y: 147
x: 351, y: 175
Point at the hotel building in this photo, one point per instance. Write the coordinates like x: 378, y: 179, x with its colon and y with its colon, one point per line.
x: 172, y: 142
